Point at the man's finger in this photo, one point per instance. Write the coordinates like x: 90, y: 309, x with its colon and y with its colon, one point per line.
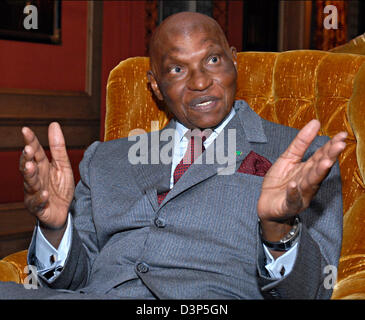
x: 310, y: 183
x: 302, y: 141
x: 32, y: 183
x: 323, y: 159
x: 315, y: 174
x: 57, y: 145
x: 31, y: 140
x: 337, y: 146
x: 332, y: 148
x: 22, y: 162
x: 26, y: 156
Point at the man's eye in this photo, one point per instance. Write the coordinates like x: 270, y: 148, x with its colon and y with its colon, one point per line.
x: 176, y: 69
x: 213, y: 60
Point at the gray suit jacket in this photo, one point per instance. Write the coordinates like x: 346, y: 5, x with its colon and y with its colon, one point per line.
x: 202, y: 242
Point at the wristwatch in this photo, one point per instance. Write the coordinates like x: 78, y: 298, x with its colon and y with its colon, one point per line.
x: 287, y: 241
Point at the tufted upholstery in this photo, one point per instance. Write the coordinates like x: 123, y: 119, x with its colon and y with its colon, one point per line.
x: 12, y: 267
x: 130, y: 104
x: 288, y: 88
x: 355, y: 46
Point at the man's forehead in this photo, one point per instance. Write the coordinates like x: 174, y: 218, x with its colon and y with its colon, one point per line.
x: 180, y: 42
x: 175, y: 33
x: 176, y: 48
x: 190, y: 28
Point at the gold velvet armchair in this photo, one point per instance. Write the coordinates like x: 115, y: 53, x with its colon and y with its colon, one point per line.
x: 289, y: 88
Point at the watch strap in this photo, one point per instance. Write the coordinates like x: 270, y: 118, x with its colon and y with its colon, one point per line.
x: 287, y: 242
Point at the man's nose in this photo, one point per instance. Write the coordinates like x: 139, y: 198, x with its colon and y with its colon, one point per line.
x: 199, y: 80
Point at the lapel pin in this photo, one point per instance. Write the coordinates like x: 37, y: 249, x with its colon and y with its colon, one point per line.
x: 238, y: 153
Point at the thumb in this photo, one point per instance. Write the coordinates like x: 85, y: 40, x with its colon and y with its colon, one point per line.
x: 57, y: 145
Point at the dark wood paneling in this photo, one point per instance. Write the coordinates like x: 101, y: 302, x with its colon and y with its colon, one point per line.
x: 76, y: 132
x: 78, y: 111
x: 16, y: 228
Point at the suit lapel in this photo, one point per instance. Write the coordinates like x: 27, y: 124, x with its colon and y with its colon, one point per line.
x: 154, y: 178
x: 248, y: 129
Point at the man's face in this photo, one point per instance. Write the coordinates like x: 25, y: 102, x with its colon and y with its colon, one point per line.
x: 195, y: 74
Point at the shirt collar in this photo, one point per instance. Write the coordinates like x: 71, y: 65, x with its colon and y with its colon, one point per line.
x: 181, y: 129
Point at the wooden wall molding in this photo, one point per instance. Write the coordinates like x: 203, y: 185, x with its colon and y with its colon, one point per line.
x: 294, y: 25
x: 77, y: 112
x: 16, y: 228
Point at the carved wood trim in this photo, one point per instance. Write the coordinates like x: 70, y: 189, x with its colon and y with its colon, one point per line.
x: 150, y: 20
x: 294, y: 25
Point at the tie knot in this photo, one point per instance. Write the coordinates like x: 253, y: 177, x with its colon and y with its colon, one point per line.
x: 196, y: 144
x: 199, y: 134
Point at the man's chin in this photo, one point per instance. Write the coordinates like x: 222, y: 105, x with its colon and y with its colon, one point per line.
x: 212, y: 121
x: 206, y: 124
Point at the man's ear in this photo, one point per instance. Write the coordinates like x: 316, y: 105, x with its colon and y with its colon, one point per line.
x: 154, y: 85
x: 234, y: 56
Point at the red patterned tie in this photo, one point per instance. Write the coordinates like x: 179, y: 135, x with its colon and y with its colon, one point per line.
x: 190, y: 156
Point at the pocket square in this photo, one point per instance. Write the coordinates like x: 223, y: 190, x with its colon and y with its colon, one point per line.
x: 254, y: 164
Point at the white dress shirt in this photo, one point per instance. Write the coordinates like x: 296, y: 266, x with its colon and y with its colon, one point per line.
x: 50, y: 258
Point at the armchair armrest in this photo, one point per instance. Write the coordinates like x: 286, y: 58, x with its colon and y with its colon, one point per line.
x: 12, y: 267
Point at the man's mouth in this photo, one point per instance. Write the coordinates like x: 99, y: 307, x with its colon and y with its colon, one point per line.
x: 203, y: 103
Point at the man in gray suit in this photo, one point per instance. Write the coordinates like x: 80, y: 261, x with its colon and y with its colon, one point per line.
x: 139, y: 230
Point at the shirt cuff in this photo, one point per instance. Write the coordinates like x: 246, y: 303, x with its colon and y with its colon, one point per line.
x: 49, y: 258
x: 281, y: 266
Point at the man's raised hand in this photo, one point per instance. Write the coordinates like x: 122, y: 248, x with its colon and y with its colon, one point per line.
x: 290, y: 184
x: 48, y: 186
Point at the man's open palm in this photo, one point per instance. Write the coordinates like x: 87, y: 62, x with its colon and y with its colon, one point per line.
x: 290, y: 184
x: 48, y: 186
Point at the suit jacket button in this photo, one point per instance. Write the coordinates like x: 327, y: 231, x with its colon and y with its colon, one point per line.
x: 160, y: 223
x: 142, y: 267
x: 274, y: 293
